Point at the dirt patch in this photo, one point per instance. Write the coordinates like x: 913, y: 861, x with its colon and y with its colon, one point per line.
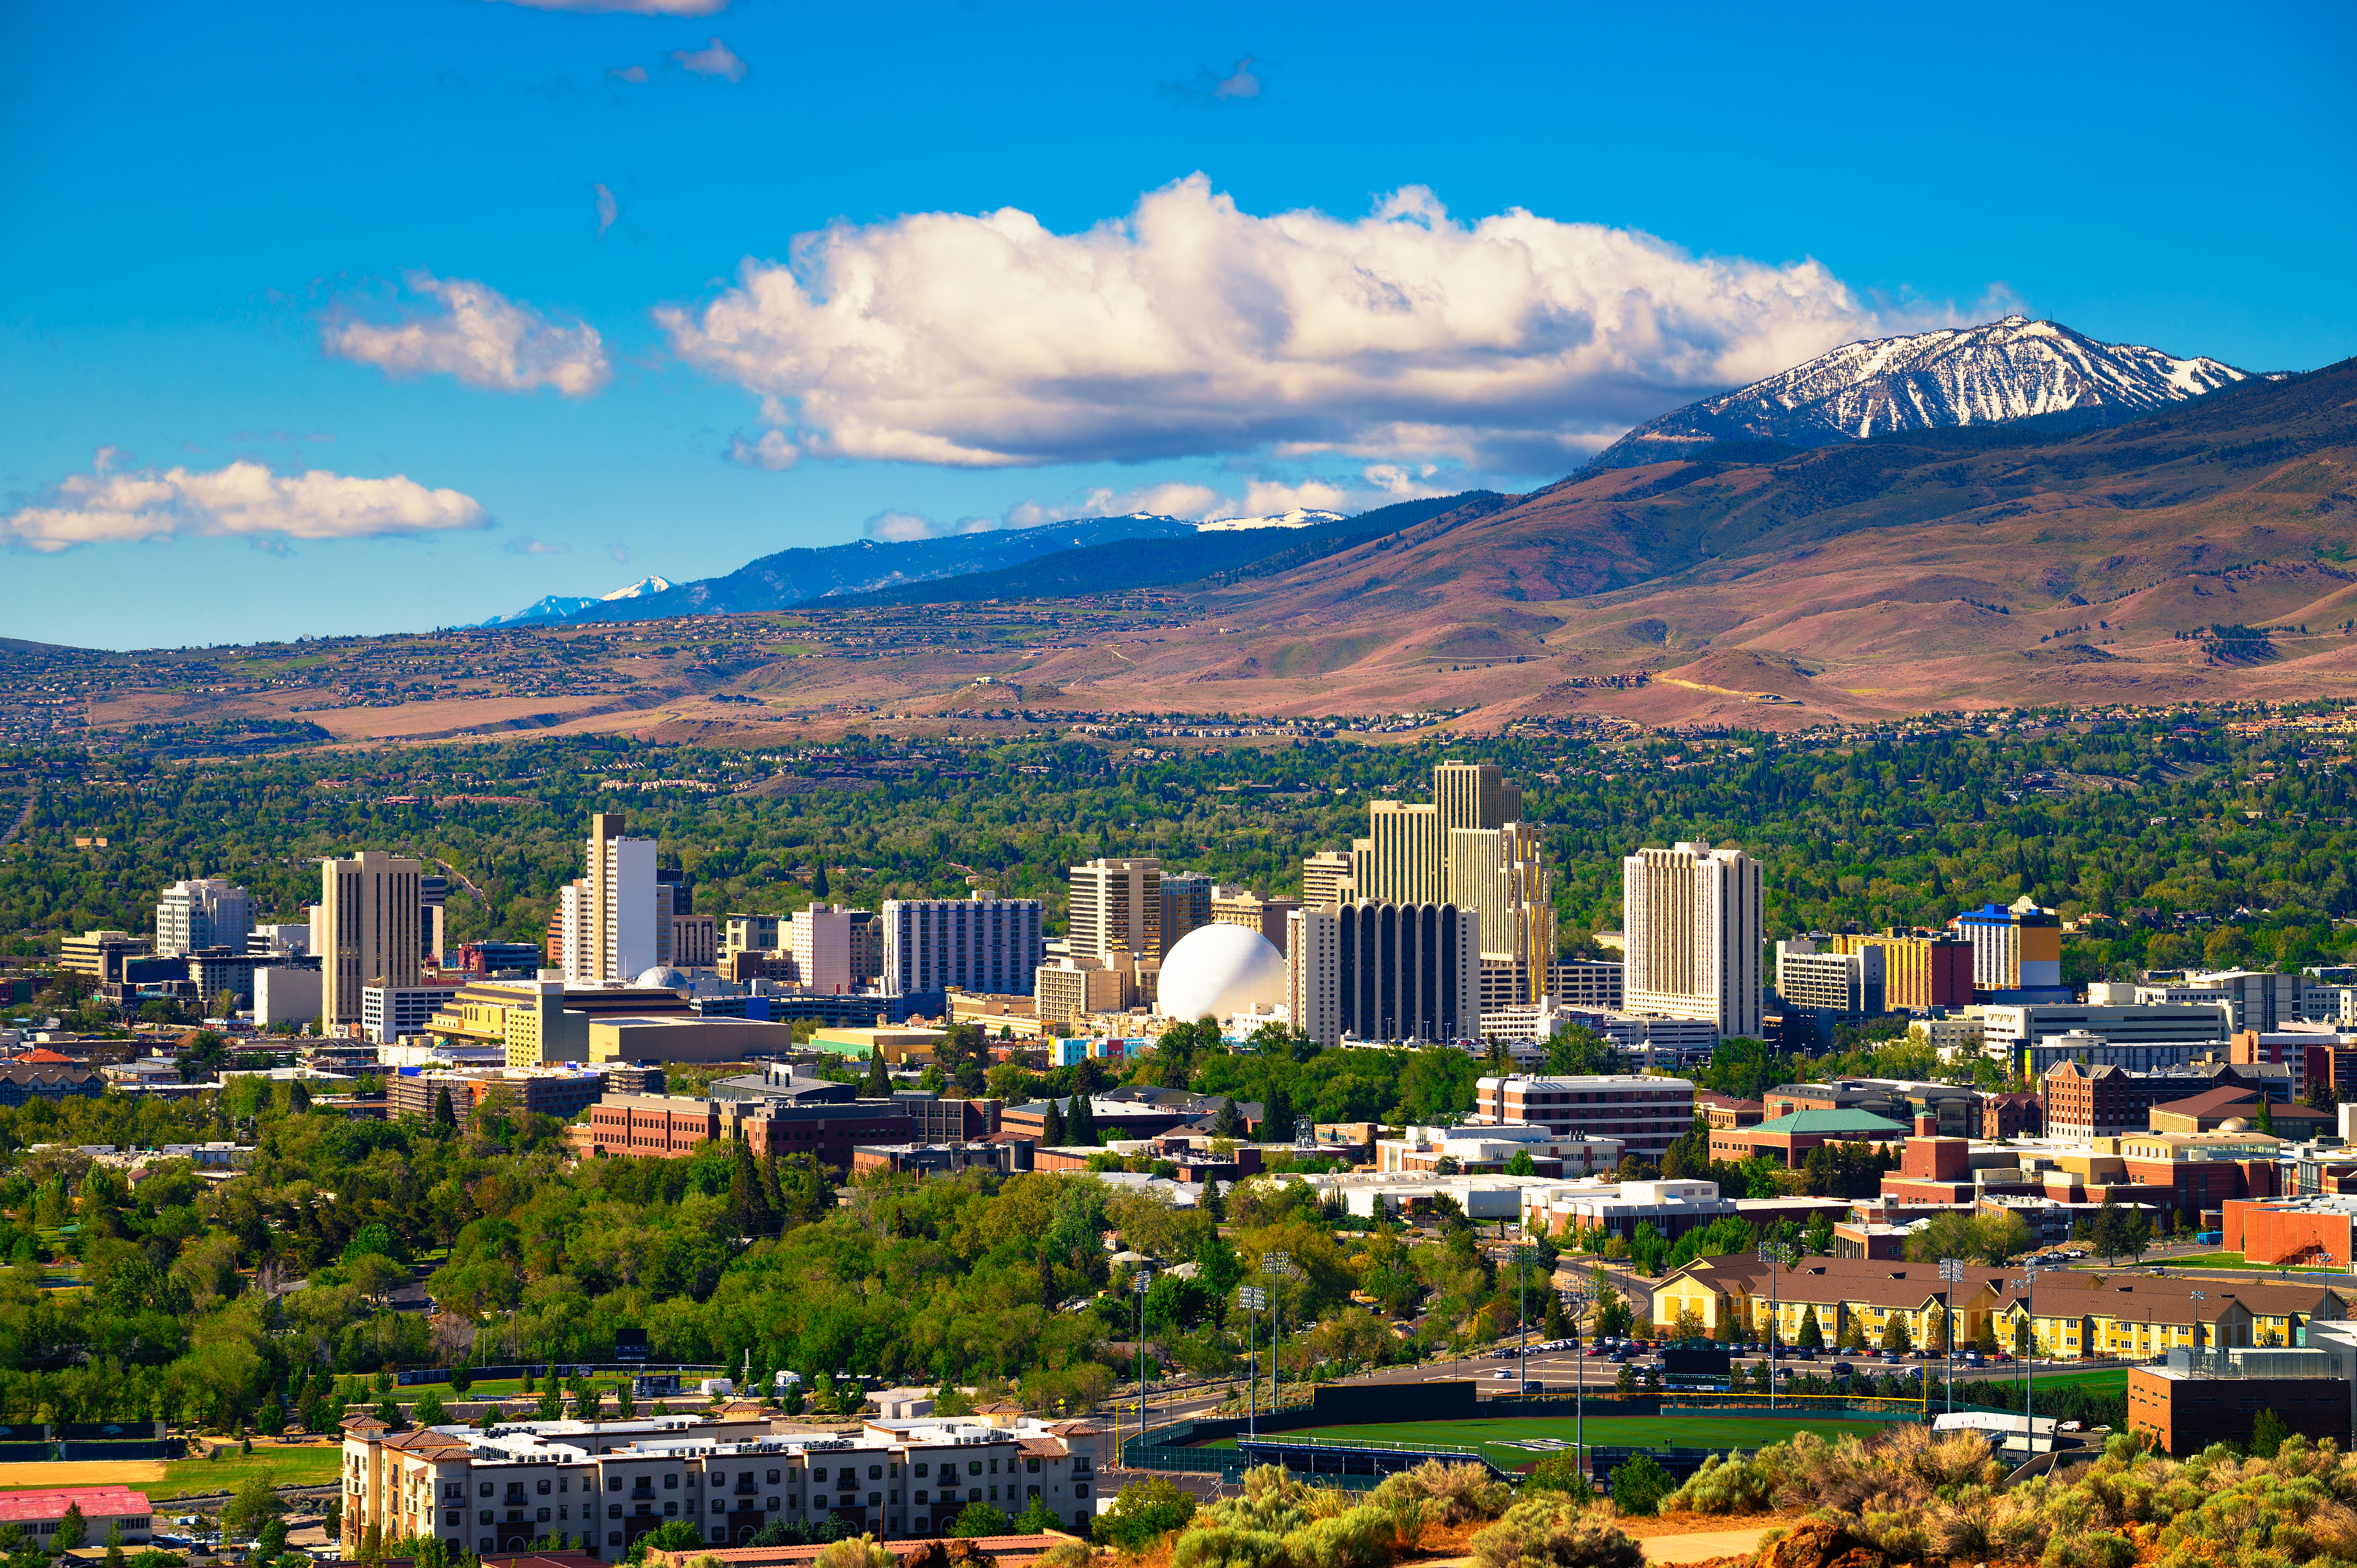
x: 81, y: 1473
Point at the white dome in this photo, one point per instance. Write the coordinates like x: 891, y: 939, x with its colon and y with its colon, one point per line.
x: 1218, y: 970
x: 663, y: 977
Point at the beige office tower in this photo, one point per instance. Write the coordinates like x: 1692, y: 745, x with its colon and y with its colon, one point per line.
x: 1498, y: 873
x: 1117, y: 904
x: 1404, y: 860
x: 367, y: 923
x: 1474, y: 795
x: 1691, y: 915
x: 1313, y: 987
x: 1326, y: 879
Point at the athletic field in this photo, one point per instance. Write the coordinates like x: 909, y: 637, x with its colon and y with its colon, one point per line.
x: 1512, y: 1441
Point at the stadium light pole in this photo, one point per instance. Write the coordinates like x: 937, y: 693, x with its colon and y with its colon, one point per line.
x: 2029, y: 1271
x: 1139, y: 1284
x: 1522, y: 1255
x: 1772, y: 1254
x: 1280, y: 1267
x: 1252, y: 1298
x: 1951, y: 1274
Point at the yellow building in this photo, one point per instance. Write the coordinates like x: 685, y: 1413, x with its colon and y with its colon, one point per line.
x: 1864, y: 1293
x: 520, y: 1016
x: 896, y: 1045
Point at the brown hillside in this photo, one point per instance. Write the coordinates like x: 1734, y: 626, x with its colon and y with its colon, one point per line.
x: 1950, y: 568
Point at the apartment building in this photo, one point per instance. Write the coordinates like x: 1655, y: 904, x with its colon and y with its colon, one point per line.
x: 1186, y: 905
x: 202, y: 912
x: 390, y: 1013
x: 1920, y: 968
x: 538, y: 1484
x: 984, y: 943
x: 1243, y: 906
x: 2016, y: 950
x: 1385, y: 972
x: 1646, y: 1114
x: 1326, y: 880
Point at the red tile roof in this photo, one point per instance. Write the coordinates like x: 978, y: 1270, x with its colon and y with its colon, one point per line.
x: 95, y: 1502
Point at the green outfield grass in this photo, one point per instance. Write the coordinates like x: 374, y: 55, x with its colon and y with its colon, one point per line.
x: 1493, y: 1438
x: 309, y: 1465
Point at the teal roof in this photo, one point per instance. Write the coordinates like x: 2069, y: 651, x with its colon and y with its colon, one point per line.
x: 1856, y: 1122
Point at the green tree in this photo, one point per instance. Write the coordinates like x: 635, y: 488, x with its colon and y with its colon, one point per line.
x: 428, y: 1411
x: 1039, y: 1519
x: 1813, y: 1333
x: 1052, y: 1134
x: 462, y: 1377
x: 2268, y: 1430
x: 1081, y: 1130
x: 1277, y: 1117
x: 1984, y: 1340
x: 980, y: 1519
x: 878, y: 1085
x: 444, y: 1114
x: 1895, y: 1333
x: 70, y: 1529
x: 253, y: 1504
x: 2267, y: 1120
x: 1639, y: 1485
x: 1522, y: 1164
x: 1144, y: 1512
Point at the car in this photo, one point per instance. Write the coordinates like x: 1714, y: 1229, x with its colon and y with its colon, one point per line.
x: 1597, y: 1351
x: 1841, y: 1368
x: 1509, y: 1376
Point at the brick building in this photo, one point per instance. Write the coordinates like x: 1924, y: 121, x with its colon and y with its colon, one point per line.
x: 2184, y: 1412
x: 2011, y: 1116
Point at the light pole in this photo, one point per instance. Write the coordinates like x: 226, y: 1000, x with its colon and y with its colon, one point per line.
x: 1139, y: 1284
x: 1773, y: 1255
x: 2029, y: 1272
x: 1280, y: 1267
x: 1952, y: 1273
x: 1252, y: 1298
x: 1580, y: 1293
x: 1522, y: 1255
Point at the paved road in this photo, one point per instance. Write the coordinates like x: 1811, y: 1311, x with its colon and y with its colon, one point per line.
x: 22, y: 818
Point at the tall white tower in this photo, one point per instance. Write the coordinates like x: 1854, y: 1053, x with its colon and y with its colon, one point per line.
x: 609, y: 914
x: 1692, y: 920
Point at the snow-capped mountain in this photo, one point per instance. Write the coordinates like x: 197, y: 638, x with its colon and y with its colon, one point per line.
x: 2013, y: 369
x: 565, y: 607
x: 1299, y: 517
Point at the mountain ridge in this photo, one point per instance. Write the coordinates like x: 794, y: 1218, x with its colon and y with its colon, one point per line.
x: 2002, y: 372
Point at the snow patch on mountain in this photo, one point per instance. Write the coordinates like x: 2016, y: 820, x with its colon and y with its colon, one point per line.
x: 1299, y: 517
x: 2013, y: 369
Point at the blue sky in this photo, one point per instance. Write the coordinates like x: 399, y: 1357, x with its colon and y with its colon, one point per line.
x: 368, y: 317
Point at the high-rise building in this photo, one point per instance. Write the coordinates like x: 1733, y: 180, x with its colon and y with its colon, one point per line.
x: 367, y: 919
x: 866, y: 947
x: 673, y: 898
x: 984, y: 943
x: 1243, y: 906
x: 433, y: 893
x: 202, y: 912
x: 1692, y: 918
x: 609, y: 914
x: 1404, y: 858
x: 1920, y: 968
x: 1474, y: 795
x: 1498, y: 872
x: 1385, y: 972
x: 750, y: 933
x: 1326, y: 880
x: 1186, y: 905
x: 1117, y: 904
x: 2015, y: 951
x: 820, y: 938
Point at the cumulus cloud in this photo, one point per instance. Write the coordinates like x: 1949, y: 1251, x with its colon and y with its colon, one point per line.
x: 1377, y: 484
x: 607, y: 209
x: 1513, y: 343
x: 772, y: 451
x: 1239, y: 83
x: 715, y: 58
x: 628, y: 74
x: 480, y: 337
x: 529, y: 546
x: 638, y: 7
x: 244, y: 498
x: 897, y: 527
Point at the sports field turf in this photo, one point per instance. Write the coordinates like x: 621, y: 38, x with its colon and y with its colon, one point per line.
x: 1494, y: 1437
x: 300, y: 1464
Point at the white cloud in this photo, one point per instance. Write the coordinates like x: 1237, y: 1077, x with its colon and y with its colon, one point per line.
x: 481, y: 337
x: 1378, y: 484
x: 1515, y: 343
x: 636, y: 74
x: 243, y: 498
x: 715, y: 59
x: 772, y: 451
x: 894, y: 527
x: 608, y: 208
x: 639, y: 7
x: 529, y: 546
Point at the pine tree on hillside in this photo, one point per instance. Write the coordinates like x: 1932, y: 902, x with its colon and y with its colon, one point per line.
x: 1082, y: 1128
x: 443, y: 1116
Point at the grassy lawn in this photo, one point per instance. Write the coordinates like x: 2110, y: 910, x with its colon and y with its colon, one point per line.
x: 309, y: 1465
x: 1635, y: 1431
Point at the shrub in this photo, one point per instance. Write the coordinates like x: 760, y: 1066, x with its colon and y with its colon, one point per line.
x: 1066, y: 1554
x: 2098, y: 1549
x: 1640, y: 1485
x: 1552, y: 1533
x: 858, y: 1551
x: 1558, y: 1472
x: 1729, y: 1483
x: 1225, y: 1546
x: 1451, y: 1494
x: 1358, y: 1538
